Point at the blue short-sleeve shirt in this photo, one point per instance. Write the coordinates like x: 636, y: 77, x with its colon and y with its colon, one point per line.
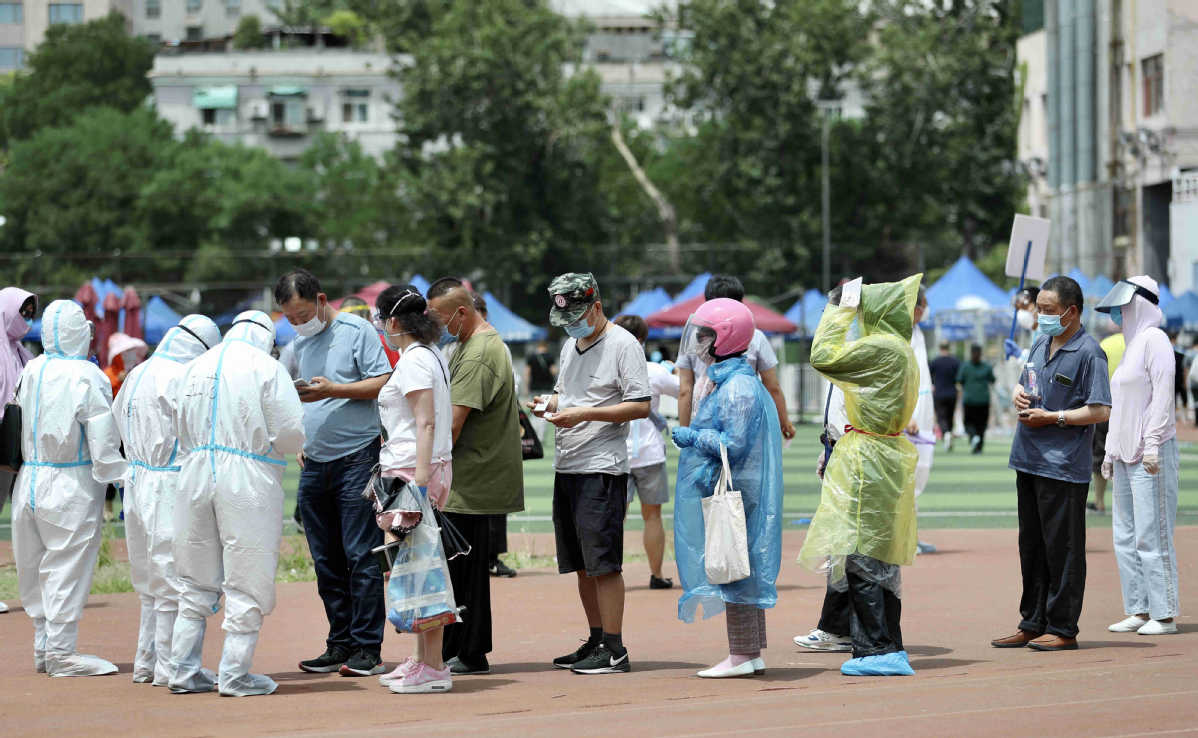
x: 1074, y: 377
x: 348, y: 350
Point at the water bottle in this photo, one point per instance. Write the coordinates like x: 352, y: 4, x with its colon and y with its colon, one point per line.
x: 1032, y: 390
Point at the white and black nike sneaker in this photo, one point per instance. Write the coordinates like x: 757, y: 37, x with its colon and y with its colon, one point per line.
x: 603, y: 661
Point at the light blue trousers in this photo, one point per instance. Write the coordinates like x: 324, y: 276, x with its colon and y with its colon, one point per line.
x: 1145, y: 512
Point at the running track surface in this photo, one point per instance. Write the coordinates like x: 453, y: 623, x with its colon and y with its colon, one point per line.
x: 954, y: 602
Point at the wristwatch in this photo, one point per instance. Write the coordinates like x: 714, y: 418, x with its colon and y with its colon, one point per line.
x: 1061, y: 419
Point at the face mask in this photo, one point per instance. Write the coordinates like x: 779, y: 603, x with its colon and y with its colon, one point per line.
x: 447, y: 337
x: 1050, y: 325
x: 580, y: 329
x: 394, y: 345
x: 1117, y: 315
x: 1027, y: 321
x: 312, y: 327
x: 655, y: 357
x: 18, y: 328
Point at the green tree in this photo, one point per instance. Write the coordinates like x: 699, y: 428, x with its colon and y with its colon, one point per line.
x: 249, y: 33
x: 77, y: 68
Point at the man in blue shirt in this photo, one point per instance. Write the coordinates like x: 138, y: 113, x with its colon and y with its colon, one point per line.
x: 1051, y: 456
x: 342, y: 368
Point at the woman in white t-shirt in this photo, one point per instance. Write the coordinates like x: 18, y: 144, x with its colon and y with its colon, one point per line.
x: 417, y: 416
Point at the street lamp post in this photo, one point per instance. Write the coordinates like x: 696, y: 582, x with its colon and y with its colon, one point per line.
x: 827, y: 109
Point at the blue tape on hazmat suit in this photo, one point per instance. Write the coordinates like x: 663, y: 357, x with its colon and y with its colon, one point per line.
x: 741, y: 414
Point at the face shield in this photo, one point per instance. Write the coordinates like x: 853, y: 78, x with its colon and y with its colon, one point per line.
x: 1122, y: 294
x: 697, y: 340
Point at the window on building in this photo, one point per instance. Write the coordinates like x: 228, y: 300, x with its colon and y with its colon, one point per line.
x: 12, y: 13
x: 232, y: 8
x: 208, y: 116
x: 1154, y: 84
x: 11, y: 57
x: 218, y: 117
x: 289, y: 114
x: 153, y: 8
x: 68, y: 13
x: 154, y: 38
x: 195, y: 33
x: 194, y: 6
x: 355, y: 112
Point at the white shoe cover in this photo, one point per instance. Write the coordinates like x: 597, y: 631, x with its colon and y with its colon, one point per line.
x: 78, y: 664
x: 187, y: 647
x: 3, y: 607
x: 235, y: 678
x: 145, y: 658
x: 164, y: 628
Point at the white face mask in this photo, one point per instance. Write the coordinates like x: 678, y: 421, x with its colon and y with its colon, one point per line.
x: 312, y: 327
x: 393, y: 339
x: 1027, y: 321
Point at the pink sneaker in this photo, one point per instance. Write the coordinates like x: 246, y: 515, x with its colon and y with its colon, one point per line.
x: 400, y: 672
x: 423, y: 679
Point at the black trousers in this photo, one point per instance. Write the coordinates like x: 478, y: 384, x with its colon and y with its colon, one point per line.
x: 837, y: 612
x: 1052, y: 553
x: 977, y: 417
x: 498, y: 537
x: 945, y: 408
x: 867, y: 612
x: 470, y: 639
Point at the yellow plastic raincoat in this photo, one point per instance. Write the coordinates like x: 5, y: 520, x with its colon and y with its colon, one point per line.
x: 867, y: 504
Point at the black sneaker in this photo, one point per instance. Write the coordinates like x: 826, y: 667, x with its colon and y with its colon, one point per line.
x: 458, y: 666
x: 500, y: 569
x: 570, y: 659
x: 603, y: 661
x: 660, y: 582
x: 330, y: 660
x: 363, y: 663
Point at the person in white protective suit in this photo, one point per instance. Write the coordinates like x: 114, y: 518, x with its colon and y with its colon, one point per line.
x: 238, y: 417
x: 72, y: 452
x: 143, y: 412
x: 920, y: 431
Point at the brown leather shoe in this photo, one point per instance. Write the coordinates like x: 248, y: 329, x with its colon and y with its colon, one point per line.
x: 1019, y: 640
x: 1050, y: 642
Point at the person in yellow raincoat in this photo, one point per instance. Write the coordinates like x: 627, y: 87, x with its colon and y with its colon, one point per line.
x: 864, y: 529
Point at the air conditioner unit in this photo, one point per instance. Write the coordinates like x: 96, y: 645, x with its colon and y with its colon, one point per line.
x: 315, y: 115
x: 259, y: 110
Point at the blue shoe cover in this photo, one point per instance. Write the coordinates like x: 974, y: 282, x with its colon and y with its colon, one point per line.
x: 887, y: 664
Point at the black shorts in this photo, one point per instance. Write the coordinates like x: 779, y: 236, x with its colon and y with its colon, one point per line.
x: 588, y: 520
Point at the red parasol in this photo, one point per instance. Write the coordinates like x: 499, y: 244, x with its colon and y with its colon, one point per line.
x: 677, y: 314
x: 107, y: 326
x: 86, y: 297
x: 132, y: 305
x: 369, y: 293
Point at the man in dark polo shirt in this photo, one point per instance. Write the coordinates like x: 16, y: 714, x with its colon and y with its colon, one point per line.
x: 1051, y: 459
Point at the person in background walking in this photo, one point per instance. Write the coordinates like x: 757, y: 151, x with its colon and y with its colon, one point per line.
x: 975, y: 377
x: 647, y: 457
x: 1141, y: 456
x: 944, y: 370
x: 1051, y: 456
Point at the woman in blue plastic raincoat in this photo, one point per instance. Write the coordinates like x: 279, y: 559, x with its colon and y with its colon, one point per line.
x: 739, y: 414
x: 864, y: 528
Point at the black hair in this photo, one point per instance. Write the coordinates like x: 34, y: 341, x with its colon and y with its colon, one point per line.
x: 442, y: 286
x: 922, y: 296
x: 944, y: 346
x: 834, y: 295
x: 635, y: 325
x: 405, y: 304
x: 480, y: 304
x: 1029, y: 293
x: 977, y: 347
x: 724, y: 285
x: 296, y: 283
x: 1068, y: 291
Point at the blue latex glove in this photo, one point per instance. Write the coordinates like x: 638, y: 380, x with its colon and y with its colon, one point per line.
x: 423, y: 492
x: 1012, y: 349
x: 683, y: 437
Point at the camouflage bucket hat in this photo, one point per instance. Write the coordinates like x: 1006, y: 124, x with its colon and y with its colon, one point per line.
x: 572, y: 294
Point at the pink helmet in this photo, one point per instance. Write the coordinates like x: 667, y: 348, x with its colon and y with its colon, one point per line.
x: 732, y: 322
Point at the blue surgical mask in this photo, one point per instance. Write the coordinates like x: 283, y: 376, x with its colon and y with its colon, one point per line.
x: 655, y: 357
x: 1050, y: 325
x: 1117, y: 315
x: 447, y: 337
x: 579, y: 329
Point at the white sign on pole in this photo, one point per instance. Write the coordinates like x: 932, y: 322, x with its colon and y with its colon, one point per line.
x: 1028, y: 230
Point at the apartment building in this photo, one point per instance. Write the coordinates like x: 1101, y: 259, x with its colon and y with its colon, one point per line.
x: 23, y: 24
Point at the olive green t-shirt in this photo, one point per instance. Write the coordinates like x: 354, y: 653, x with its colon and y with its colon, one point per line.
x: 488, y: 472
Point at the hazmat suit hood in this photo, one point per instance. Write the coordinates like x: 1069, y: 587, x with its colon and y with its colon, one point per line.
x: 255, y: 328
x: 194, y: 335
x: 66, y: 333
x: 890, y: 307
x: 1140, y: 315
x: 13, y: 356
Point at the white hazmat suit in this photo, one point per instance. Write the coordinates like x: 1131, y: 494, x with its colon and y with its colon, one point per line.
x: 238, y: 417
x: 72, y: 451
x: 144, y: 412
x: 925, y: 414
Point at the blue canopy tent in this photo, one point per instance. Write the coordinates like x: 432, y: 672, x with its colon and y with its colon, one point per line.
x: 157, y: 318
x: 421, y: 284
x: 962, y: 297
x: 1183, y: 312
x: 1099, y: 286
x: 806, y: 312
x: 284, y: 331
x: 1167, y: 297
x: 647, y: 302
x: 512, y: 328
x: 103, y: 289
x: 1082, y: 280
x: 694, y: 289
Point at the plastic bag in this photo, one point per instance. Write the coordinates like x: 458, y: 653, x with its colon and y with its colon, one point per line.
x: 419, y: 591
x: 726, y: 541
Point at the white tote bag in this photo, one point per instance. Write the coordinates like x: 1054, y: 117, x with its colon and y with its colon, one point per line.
x: 726, y: 548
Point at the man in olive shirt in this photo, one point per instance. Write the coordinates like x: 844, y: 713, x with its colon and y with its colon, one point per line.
x: 488, y: 476
x: 975, y: 377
